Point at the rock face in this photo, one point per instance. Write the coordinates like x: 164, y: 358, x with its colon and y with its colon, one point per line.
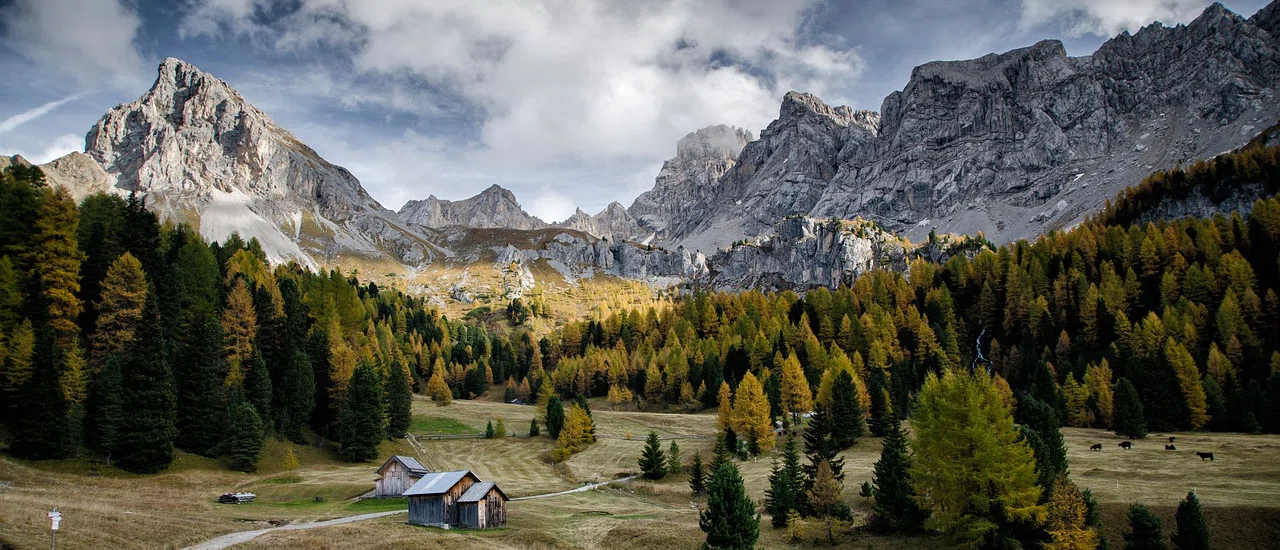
x: 79, y: 174
x: 581, y: 256
x: 494, y: 207
x: 804, y: 252
x: 1012, y: 144
x: 689, y: 182
x: 200, y: 152
x: 613, y: 223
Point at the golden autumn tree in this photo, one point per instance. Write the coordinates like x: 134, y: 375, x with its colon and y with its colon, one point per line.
x: 1067, y: 518
x: 54, y: 256
x: 724, y: 416
x: 438, y: 389
x: 1097, y: 379
x: 1184, y: 366
x: 796, y: 397
x: 1078, y: 413
x: 124, y: 292
x: 240, y: 327
x: 577, y: 434
x: 751, y: 413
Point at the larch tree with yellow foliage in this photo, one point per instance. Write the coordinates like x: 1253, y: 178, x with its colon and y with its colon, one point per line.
x: 724, y: 399
x: 577, y: 434
x: 751, y: 413
x: 1184, y: 366
x: 1067, y: 518
x: 239, y: 327
x: 1097, y: 379
x: 796, y: 397
x: 438, y: 389
x: 124, y: 292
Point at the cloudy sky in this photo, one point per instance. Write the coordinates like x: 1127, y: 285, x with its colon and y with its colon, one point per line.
x: 566, y: 103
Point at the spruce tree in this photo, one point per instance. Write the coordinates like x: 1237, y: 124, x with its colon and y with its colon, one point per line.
x: 245, y: 434
x: 878, y: 389
x: 1193, y: 531
x: 895, y: 505
x: 674, y: 464
x: 147, y: 428
x: 41, y: 424
x: 298, y: 396
x: 820, y: 445
x: 1045, y: 439
x: 399, y: 402
x: 653, y: 463
x: 362, y: 415
x: 697, y: 475
x: 488, y: 430
x: 1144, y: 530
x: 199, y: 372
x: 104, y: 409
x: 846, y: 411
x: 257, y: 383
x: 720, y: 455
x: 1128, y: 419
x: 555, y: 416
x: 533, y: 427
x: 786, y: 485
x: 729, y: 520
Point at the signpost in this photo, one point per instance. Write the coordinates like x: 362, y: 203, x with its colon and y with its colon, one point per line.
x: 55, y: 517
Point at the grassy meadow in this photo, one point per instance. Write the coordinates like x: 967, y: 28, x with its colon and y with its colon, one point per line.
x: 106, y: 508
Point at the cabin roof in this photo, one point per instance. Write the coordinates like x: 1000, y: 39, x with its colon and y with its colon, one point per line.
x: 478, y: 491
x: 438, y: 483
x: 409, y: 462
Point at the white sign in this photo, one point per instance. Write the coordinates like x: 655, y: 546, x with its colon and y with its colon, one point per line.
x: 55, y: 517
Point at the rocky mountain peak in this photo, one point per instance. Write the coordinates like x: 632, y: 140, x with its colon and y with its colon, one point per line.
x: 719, y: 140
x: 495, y: 207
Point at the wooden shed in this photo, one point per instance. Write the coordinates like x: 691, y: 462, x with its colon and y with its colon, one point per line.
x: 433, y: 500
x: 483, y: 506
x: 397, y: 475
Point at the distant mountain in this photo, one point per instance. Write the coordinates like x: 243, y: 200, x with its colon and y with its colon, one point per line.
x: 494, y: 207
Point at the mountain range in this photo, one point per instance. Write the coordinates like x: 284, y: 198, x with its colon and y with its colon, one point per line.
x: 1008, y: 146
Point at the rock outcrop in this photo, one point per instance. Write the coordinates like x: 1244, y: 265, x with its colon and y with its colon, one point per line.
x: 804, y: 252
x: 613, y: 223
x: 79, y: 174
x: 494, y: 207
x: 688, y: 183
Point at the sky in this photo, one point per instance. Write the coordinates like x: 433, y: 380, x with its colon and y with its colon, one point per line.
x: 567, y: 103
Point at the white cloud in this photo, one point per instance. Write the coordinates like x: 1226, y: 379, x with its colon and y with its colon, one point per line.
x: 92, y: 41
x: 1108, y: 17
x: 24, y: 117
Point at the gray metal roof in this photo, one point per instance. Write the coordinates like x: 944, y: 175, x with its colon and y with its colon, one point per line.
x: 437, y: 483
x: 477, y: 492
x: 409, y: 462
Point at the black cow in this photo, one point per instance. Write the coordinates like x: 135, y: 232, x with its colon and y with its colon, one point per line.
x: 1170, y: 448
x: 1203, y: 456
x: 1171, y: 438
x: 1096, y: 447
x: 1126, y: 445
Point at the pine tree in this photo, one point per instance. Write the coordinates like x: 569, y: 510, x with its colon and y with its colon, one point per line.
x: 719, y: 456
x: 257, y: 384
x: 1128, y: 419
x: 697, y: 475
x: 1042, y: 431
x: 298, y: 395
x: 786, y: 485
x: 42, y: 427
x: 555, y: 417
x: 533, y: 427
x: 729, y: 520
x: 1193, y: 531
x: 362, y: 416
x: 820, y: 446
x: 147, y: 428
x: 881, y: 415
x: 846, y: 411
x: 1144, y: 530
x: 245, y: 433
x: 653, y: 463
x: 199, y: 372
x: 1067, y: 518
x: 895, y: 505
x: 104, y: 409
x: 124, y: 292
x: 970, y: 470
x: 488, y: 430
x: 675, y: 466
x: 399, y: 402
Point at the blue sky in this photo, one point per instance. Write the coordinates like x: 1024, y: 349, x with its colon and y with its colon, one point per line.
x: 566, y: 103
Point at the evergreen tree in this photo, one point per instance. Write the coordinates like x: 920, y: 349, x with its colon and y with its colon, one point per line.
x: 881, y: 416
x: 846, y: 411
x: 674, y: 463
x: 298, y: 395
x: 729, y: 520
x: 488, y: 431
x: 653, y: 463
x: 895, y: 505
x: 362, y: 415
x: 1193, y: 531
x: 786, y: 485
x: 245, y: 433
x: 970, y: 470
x: 1128, y: 419
x: 720, y: 455
x: 533, y: 427
x: 1042, y: 431
x: 199, y: 372
x: 1144, y: 530
x: 697, y: 475
x: 147, y: 428
x: 399, y: 402
x: 42, y: 426
x: 257, y: 384
x: 820, y: 445
x: 555, y: 417
x: 104, y: 409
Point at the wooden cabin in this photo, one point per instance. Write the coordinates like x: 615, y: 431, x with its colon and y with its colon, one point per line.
x: 433, y: 500
x: 397, y: 475
x: 483, y: 506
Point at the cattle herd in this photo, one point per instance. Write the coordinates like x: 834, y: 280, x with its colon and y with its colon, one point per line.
x: 1126, y: 445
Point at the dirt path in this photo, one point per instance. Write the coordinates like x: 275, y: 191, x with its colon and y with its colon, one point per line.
x: 231, y: 539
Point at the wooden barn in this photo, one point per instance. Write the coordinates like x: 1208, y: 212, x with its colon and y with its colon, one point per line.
x: 397, y: 475
x: 483, y: 506
x: 433, y: 500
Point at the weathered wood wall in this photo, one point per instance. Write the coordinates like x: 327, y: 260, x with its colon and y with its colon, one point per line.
x: 394, y: 481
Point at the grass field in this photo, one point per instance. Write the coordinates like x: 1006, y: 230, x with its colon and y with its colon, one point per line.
x: 106, y: 508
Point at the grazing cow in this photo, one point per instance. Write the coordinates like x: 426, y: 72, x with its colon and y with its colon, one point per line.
x: 1203, y: 456
x: 1096, y: 447
x: 1170, y: 448
x: 1126, y: 445
x: 1171, y: 438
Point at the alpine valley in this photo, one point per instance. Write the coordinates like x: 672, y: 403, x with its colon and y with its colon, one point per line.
x: 989, y: 150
